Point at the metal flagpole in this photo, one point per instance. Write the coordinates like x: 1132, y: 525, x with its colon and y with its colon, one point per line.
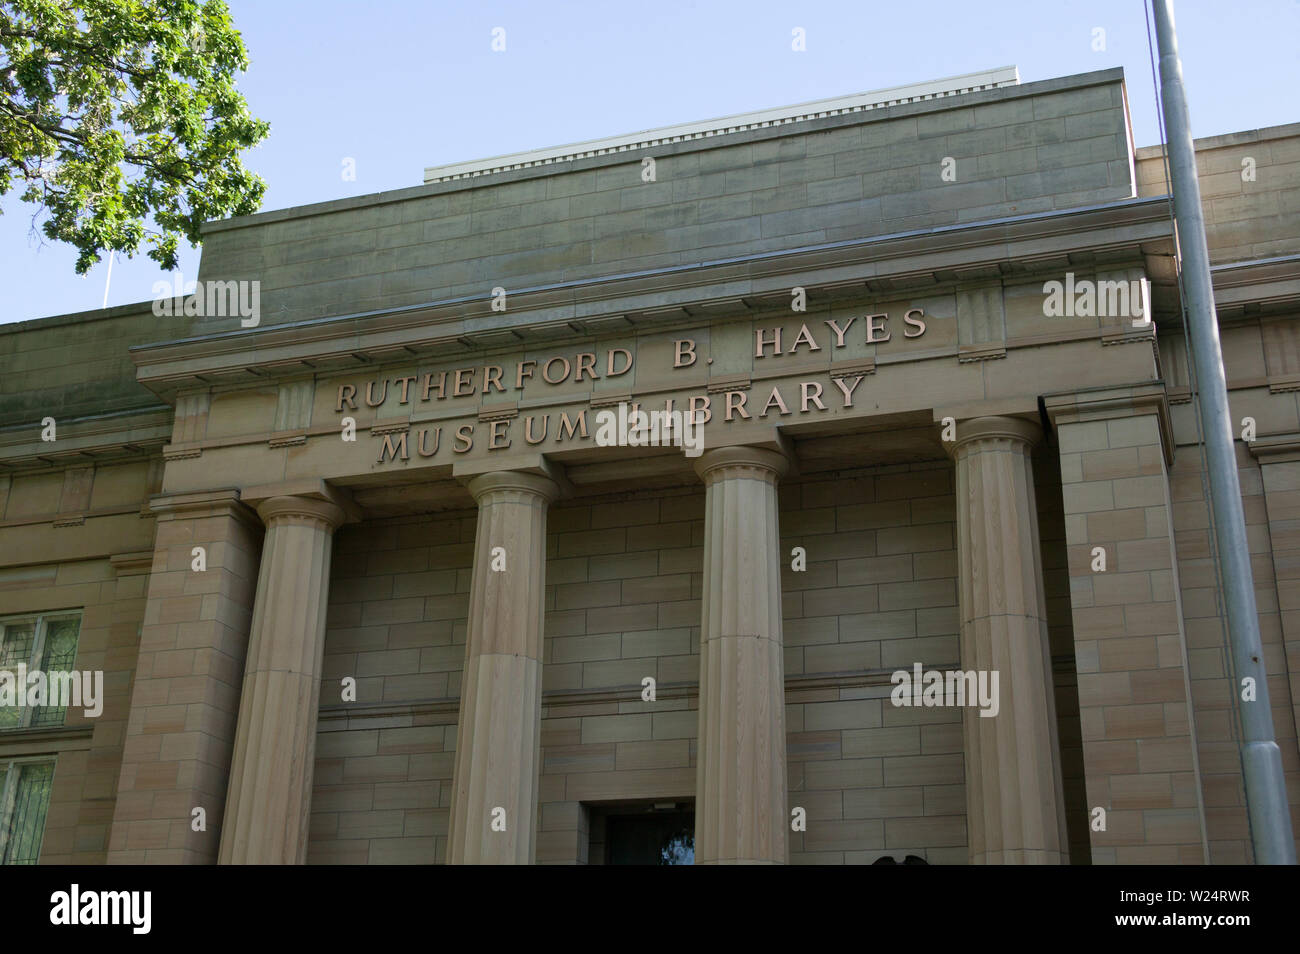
x: 1266, y: 801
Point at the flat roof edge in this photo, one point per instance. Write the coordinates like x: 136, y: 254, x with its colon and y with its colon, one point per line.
x: 1132, y: 202
x: 725, y: 125
x: 77, y: 317
x: 1112, y: 74
x: 1245, y: 136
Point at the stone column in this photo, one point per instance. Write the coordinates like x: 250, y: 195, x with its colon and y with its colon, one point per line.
x: 1140, y: 753
x: 498, y: 747
x: 1015, y: 807
x: 181, y: 725
x: 740, y: 807
x: 268, y: 806
x: 1279, y: 467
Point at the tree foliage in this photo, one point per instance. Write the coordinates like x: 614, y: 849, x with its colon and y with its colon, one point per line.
x: 120, y: 121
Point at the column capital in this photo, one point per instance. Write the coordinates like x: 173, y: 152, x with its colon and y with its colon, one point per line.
x: 293, y: 509
x: 205, y: 503
x: 1112, y: 403
x: 312, y: 492
x: 1106, y: 402
x: 518, y: 481
x: 1016, y: 429
x: 741, y: 460
x: 1275, y: 448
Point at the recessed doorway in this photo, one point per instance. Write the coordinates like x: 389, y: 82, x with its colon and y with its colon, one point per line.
x: 642, y: 833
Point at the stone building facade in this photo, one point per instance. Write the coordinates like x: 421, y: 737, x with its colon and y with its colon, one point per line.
x: 367, y: 583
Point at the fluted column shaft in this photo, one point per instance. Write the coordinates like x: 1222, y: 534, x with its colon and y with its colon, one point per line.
x: 268, y: 805
x: 1015, y: 811
x: 740, y: 803
x: 498, y: 747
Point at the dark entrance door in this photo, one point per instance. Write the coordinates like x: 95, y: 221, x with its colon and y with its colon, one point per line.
x: 650, y: 838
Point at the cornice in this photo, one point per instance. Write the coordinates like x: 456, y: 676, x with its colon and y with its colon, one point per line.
x: 727, y: 288
x: 1275, y: 448
x: 15, y: 743
x: 1264, y: 285
x: 93, y: 439
x: 446, y: 707
x: 728, y: 126
x: 132, y: 564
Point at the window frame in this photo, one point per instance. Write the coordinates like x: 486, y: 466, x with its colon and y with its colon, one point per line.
x: 40, y: 620
x: 9, y: 794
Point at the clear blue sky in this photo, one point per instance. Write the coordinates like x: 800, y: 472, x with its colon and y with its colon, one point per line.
x: 398, y: 86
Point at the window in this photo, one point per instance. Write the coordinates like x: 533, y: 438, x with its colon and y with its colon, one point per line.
x: 24, y: 798
x: 47, y: 643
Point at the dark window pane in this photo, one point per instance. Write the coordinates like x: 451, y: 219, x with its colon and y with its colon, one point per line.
x: 27, y: 825
x: 15, y: 647
x: 59, y: 655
